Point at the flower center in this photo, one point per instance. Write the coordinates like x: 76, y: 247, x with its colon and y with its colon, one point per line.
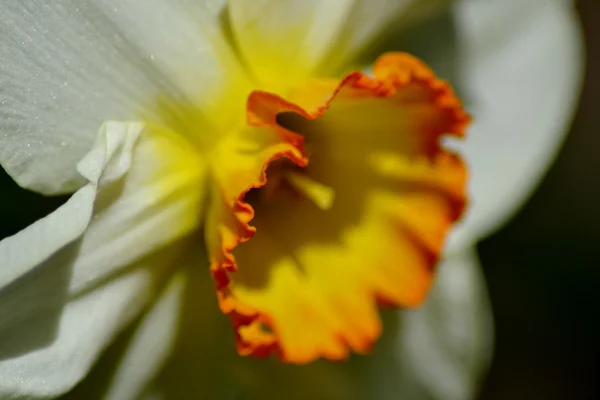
x: 330, y: 201
x: 290, y: 183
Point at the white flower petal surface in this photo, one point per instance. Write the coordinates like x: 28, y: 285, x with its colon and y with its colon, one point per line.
x: 182, y: 347
x: 54, y: 361
x: 204, y: 352
x: 68, y: 65
x: 150, y: 346
x: 112, y: 156
x: 159, y: 201
x: 290, y: 38
x: 522, y: 70
x: 445, y: 346
x: 146, y: 195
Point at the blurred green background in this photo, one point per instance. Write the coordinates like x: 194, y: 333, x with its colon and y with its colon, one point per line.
x: 542, y: 269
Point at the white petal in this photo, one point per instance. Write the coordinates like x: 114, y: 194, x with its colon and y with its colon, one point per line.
x: 182, y: 347
x: 200, y: 363
x: 149, y: 195
x: 371, y: 21
x: 66, y: 66
x: 37, y: 242
x: 55, y: 351
x: 142, y: 184
x: 285, y: 40
x: 445, y: 346
x: 150, y: 346
x: 158, y: 201
x: 522, y: 68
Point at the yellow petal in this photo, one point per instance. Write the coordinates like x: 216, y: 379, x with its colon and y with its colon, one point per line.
x: 238, y: 164
x: 309, y: 281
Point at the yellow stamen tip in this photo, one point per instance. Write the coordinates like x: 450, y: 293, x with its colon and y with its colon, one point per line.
x: 320, y: 194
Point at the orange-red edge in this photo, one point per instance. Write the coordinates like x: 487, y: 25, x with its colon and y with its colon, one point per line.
x: 392, y: 71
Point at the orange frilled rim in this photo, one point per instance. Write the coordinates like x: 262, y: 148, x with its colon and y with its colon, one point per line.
x: 388, y: 253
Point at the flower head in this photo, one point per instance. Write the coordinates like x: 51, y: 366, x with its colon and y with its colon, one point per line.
x: 355, y: 211
x: 232, y: 135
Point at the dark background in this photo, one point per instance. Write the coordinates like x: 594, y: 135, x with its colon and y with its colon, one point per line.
x: 543, y: 268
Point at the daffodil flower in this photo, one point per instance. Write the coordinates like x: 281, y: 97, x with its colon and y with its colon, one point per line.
x: 198, y: 135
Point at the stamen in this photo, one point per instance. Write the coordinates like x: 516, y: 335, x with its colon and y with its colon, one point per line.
x: 318, y: 193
